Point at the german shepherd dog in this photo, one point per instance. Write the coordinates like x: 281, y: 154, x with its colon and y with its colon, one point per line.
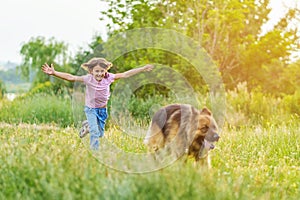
x: 183, y: 130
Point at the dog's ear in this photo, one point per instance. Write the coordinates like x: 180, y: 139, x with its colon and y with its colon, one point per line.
x: 203, y: 125
x: 205, y: 111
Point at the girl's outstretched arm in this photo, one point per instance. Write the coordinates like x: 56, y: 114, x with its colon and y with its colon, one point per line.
x: 132, y: 72
x: 65, y: 76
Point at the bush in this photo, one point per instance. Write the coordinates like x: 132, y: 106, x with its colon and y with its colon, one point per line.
x: 244, y: 107
x: 38, y: 108
x: 253, y: 107
x: 291, y: 103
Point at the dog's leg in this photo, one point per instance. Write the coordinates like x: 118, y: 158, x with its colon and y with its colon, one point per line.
x: 208, y: 160
x: 203, y: 163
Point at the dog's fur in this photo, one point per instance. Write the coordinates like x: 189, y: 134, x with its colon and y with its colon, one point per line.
x: 183, y: 130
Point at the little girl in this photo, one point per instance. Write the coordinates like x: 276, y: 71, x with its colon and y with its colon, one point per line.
x: 97, y: 91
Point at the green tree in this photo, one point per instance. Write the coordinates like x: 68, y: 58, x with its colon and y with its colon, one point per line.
x: 38, y: 51
x: 2, y: 89
x: 229, y: 30
x: 291, y: 78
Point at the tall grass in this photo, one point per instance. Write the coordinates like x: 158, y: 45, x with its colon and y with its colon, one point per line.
x: 48, y: 162
x: 38, y: 108
x: 244, y: 108
x: 247, y: 108
x: 257, y: 157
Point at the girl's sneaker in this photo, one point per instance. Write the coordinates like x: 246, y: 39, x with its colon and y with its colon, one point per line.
x: 84, y: 129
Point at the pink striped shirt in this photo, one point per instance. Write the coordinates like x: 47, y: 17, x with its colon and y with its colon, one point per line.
x: 97, y: 93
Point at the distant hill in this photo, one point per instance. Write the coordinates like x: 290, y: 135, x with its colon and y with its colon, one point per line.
x: 12, y: 78
x: 4, y: 66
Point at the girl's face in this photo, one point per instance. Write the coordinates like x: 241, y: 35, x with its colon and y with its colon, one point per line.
x: 98, y: 72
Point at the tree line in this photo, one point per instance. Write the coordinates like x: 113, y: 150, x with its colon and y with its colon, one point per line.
x: 230, y: 31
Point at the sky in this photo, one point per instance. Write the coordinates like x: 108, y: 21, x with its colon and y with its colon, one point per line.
x: 74, y: 22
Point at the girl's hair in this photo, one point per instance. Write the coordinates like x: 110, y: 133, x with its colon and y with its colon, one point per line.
x: 96, y: 61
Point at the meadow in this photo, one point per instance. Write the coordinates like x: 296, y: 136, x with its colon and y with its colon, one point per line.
x: 42, y: 157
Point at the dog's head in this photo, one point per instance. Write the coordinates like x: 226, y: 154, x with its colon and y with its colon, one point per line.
x: 209, y: 128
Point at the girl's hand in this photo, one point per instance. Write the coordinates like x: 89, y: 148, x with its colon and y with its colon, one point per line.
x: 148, y: 67
x: 48, y: 69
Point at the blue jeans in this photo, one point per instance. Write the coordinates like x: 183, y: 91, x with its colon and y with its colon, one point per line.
x: 96, y: 118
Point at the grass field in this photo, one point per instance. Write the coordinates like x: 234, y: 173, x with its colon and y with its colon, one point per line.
x: 50, y: 162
